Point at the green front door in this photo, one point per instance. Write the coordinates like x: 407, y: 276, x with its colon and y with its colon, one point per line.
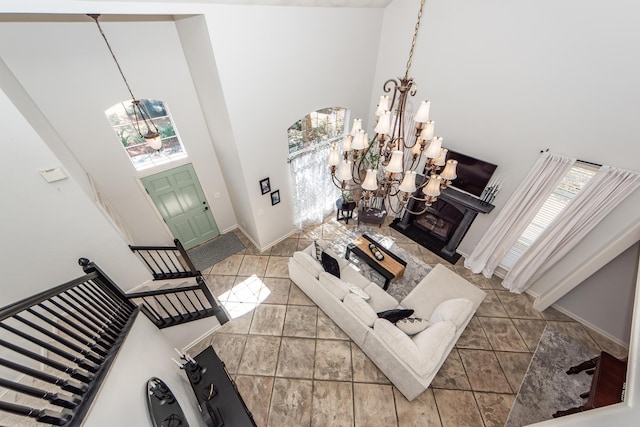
x: 180, y: 200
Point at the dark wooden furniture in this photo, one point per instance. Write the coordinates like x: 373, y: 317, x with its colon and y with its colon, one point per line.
x: 344, y: 210
x: 390, y: 267
x: 372, y: 212
x: 217, y: 394
x: 607, y: 385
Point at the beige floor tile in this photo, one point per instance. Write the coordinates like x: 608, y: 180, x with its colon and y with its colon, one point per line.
x: 260, y: 355
x: 276, y: 290
x: 450, y: 404
x: 374, y: 405
x: 327, y: 328
x: 364, y: 370
x: 502, y: 334
x: 238, y: 325
x: 298, y: 297
x: 333, y: 360
x: 606, y: 344
x: 228, y: 266
x: 219, y: 285
x: 494, y: 408
x: 291, y: 403
x: 491, y: 306
x: 518, y: 306
x: 300, y: 321
x: 200, y: 345
x: 477, y: 279
x: 256, y: 393
x: 452, y: 375
x: 420, y: 412
x: 530, y: 331
x: 303, y: 244
x: 473, y: 336
x: 332, y: 404
x: 285, y: 248
x: 277, y: 267
x: 552, y: 313
x: 268, y: 319
x: 484, y: 371
x: 296, y: 358
x: 253, y: 264
x: 229, y: 349
x: 514, y: 366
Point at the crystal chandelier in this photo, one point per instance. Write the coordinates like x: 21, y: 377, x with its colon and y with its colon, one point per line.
x: 387, y: 165
x: 146, y: 129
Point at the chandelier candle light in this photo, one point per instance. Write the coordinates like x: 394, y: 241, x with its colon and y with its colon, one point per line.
x: 386, y: 166
x: 143, y: 124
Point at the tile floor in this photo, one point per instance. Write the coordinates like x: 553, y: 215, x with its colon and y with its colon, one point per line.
x: 295, y: 367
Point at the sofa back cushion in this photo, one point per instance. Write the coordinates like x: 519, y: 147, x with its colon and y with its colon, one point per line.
x: 456, y: 310
x: 360, y: 309
x: 335, y: 286
x: 308, y: 263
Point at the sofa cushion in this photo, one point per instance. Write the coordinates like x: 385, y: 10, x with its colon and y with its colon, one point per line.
x: 395, y: 314
x: 308, y: 263
x: 351, y: 275
x: 330, y: 264
x: 380, y: 300
x: 400, y: 344
x: 434, y: 343
x: 358, y: 291
x: 456, y: 310
x: 335, y: 286
x: 412, y: 325
x: 360, y: 309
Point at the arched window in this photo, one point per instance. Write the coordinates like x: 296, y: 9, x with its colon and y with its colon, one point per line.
x: 319, y: 126
x: 310, y: 138
x: 142, y: 155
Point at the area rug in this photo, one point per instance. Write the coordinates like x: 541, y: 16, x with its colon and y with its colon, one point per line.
x: 214, y: 251
x: 415, y: 270
x: 546, y: 387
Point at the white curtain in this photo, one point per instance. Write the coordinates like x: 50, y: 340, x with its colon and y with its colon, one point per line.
x: 599, y: 196
x: 518, y: 213
x: 314, y: 195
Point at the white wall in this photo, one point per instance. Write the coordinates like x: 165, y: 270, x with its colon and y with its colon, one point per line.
x: 606, y: 298
x: 46, y: 227
x: 276, y: 64
x: 72, y: 78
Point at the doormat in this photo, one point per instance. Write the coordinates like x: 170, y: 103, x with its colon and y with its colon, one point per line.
x: 214, y: 251
x: 414, y: 272
x: 546, y: 388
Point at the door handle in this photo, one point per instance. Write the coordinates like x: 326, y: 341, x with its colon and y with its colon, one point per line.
x: 206, y: 208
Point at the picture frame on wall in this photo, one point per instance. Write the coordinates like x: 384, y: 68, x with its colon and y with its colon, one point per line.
x: 265, y: 186
x: 275, y: 197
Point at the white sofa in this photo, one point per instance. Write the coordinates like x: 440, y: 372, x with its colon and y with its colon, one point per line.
x: 410, y: 362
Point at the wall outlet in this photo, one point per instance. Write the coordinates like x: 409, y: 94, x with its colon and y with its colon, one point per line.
x: 216, y: 195
x: 260, y: 212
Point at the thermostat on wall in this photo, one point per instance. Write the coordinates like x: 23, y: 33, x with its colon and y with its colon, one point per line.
x: 53, y: 175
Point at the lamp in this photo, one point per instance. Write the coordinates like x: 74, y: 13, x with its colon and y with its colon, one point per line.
x: 387, y: 165
x: 147, y: 130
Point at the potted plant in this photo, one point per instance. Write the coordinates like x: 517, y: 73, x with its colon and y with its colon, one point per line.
x: 346, y: 200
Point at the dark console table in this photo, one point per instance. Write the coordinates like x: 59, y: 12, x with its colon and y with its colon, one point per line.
x: 217, y: 394
x: 607, y: 385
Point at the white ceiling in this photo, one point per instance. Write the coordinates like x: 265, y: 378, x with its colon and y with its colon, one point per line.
x: 310, y: 3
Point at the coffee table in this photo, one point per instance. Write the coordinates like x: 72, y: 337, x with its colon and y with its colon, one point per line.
x: 390, y: 267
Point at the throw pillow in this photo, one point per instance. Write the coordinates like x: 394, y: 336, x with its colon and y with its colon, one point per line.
x: 357, y: 290
x: 330, y: 264
x: 318, y: 250
x: 412, y: 325
x: 395, y: 314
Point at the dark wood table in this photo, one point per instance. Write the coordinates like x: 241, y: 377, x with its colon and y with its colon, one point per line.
x: 390, y: 267
x: 607, y: 385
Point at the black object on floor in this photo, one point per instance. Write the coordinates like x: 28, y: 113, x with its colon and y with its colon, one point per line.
x: 425, y: 240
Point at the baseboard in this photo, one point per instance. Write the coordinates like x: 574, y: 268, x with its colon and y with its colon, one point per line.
x: 200, y: 338
x: 286, y: 236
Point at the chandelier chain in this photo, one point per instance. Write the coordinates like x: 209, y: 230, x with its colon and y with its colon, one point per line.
x: 413, y: 42
x: 95, y: 18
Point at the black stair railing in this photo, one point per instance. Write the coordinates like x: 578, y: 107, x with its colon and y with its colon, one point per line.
x: 166, y: 262
x: 173, y: 306
x: 57, y: 346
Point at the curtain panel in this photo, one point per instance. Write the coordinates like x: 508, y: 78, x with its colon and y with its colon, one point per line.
x: 518, y: 213
x: 314, y: 194
x: 600, y: 195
